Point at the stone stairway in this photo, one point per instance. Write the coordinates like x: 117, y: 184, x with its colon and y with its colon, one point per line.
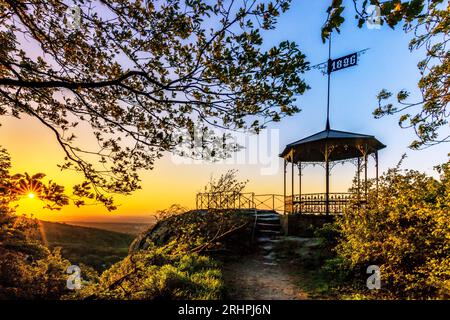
x: 267, y: 232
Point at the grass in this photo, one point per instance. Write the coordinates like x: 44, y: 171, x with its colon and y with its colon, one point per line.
x: 314, y: 283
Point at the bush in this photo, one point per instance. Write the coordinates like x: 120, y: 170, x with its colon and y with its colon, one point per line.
x: 328, y: 234
x: 28, y: 270
x: 154, y: 274
x: 404, y: 230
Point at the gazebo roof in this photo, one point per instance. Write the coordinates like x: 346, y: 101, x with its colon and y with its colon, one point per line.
x: 344, y: 145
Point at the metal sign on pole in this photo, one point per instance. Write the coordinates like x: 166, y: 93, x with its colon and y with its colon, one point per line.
x: 333, y: 65
x: 343, y: 62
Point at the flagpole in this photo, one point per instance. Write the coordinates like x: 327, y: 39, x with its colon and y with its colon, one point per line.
x: 329, y: 76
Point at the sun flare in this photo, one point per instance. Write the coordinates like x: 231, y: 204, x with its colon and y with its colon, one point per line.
x: 31, y: 195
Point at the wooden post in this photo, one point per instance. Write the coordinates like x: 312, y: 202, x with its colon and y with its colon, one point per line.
x: 253, y: 201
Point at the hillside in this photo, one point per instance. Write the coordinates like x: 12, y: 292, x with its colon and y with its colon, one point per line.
x: 94, y: 247
x: 133, y: 228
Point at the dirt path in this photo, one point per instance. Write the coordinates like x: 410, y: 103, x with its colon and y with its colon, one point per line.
x: 248, y: 278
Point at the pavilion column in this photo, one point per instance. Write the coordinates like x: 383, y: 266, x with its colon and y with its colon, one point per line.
x: 284, y: 184
x: 365, y: 175
x: 327, y: 181
x: 300, y: 185
x: 358, y: 174
x: 292, y: 186
x: 376, y: 167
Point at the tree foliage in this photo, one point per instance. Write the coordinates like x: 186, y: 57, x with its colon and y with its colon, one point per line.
x: 404, y: 230
x: 429, y: 24
x: 137, y: 71
x: 28, y: 269
x: 15, y: 186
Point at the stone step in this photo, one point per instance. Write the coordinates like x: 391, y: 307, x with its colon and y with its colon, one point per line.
x: 270, y: 256
x: 263, y: 239
x: 268, y: 224
x: 268, y: 231
x: 269, y: 217
x: 267, y: 247
x: 270, y: 263
x: 266, y: 212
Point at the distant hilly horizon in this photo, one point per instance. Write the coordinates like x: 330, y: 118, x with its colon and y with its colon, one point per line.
x: 108, y: 219
x: 94, y: 246
x: 133, y: 228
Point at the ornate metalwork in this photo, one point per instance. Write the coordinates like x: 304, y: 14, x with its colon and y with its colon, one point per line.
x: 332, y: 164
x: 310, y: 203
x: 229, y: 200
x: 315, y: 203
x: 313, y: 163
x: 374, y: 156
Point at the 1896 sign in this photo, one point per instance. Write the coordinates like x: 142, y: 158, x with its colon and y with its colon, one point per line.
x: 342, y: 62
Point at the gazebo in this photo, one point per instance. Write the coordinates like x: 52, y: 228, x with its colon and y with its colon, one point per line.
x: 327, y: 148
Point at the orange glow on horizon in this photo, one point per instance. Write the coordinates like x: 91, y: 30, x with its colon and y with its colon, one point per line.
x: 169, y: 183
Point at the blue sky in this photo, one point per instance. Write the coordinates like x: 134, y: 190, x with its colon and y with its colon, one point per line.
x: 388, y: 64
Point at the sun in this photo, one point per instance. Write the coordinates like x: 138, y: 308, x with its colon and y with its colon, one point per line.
x: 31, y: 195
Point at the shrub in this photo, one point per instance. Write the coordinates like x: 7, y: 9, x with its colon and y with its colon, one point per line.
x: 155, y: 274
x: 28, y: 270
x: 404, y: 230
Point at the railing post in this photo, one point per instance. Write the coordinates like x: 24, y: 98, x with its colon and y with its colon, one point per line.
x: 253, y: 201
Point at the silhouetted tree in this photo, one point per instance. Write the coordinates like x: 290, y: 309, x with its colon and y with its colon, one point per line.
x: 136, y: 71
x: 429, y: 23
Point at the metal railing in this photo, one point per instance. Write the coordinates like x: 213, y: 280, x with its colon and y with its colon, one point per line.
x: 316, y: 203
x: 249, y: 200
x: 311, y: 203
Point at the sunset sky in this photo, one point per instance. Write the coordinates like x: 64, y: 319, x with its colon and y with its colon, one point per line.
x: 388, y: 64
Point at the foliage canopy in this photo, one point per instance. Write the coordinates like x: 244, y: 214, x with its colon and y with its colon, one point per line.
x: 135, y: 72
x: 429, y: 23
x: 404, y: 230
